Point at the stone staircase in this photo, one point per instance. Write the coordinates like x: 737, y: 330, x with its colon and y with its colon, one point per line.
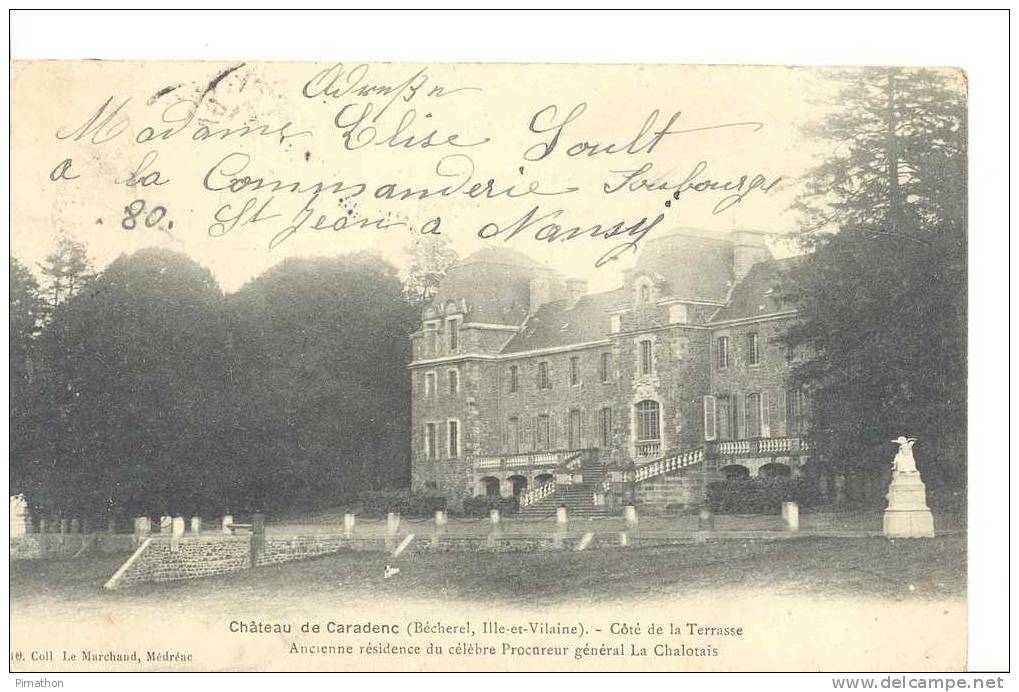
x: 578, y: 498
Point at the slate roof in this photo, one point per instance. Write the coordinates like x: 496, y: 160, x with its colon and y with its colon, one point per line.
x: 693, y: 267
x: 554, y: 324
x: 495, y: 283
x: 758, y: 293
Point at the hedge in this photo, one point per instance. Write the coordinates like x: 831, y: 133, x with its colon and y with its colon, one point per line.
x: 761, y: 495
x: 480, y: 506
x: 378, y: 503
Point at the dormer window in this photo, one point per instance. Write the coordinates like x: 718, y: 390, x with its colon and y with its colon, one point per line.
x: 645, y: 291
x: 432, y: 338
x: 453, y: 334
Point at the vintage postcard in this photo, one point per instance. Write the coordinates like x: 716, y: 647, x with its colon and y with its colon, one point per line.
x: 502, y: 367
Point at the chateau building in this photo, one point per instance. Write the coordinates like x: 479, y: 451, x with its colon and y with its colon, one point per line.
x: 525, y: 384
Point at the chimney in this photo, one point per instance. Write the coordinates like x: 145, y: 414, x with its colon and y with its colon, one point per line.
x: 749, y: 248
x: 575, y: 290
x: 541, y: 291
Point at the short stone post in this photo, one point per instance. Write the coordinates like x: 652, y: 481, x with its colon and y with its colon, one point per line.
x: 196, y: 524
x: 349, y: 522
x: 165, y: 524
x: 392, y: 528
x: 142, y: 529
x: 176, y: 531
x: 44, y: 527
x: 706, y: 520
x: 440, y: 527
x: 791, y: 516
x: 63, y: 525
x: 630, y: 516
x: 493, y: 535
x: 561, y: 526
x: 228, y: 520
x: 840, y: 489
x: 75, y: 525
x: 257, y: 537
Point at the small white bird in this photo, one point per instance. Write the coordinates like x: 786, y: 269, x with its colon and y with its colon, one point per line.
x: 390, y: 572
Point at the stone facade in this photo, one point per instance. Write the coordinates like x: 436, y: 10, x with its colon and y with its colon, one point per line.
x: 515, y: 370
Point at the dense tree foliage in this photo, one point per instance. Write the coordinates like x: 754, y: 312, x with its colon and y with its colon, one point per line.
x: 27, y: 312
x: 317, y: 354
x: 883, y: 293
x: 151, y: 391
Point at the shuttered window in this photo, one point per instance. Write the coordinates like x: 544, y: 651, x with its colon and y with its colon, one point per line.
x: 710, y: 418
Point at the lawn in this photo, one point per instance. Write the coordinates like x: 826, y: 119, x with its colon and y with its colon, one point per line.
x: 866, y: 567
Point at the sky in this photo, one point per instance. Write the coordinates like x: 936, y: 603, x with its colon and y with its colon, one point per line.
x: 220, y: 161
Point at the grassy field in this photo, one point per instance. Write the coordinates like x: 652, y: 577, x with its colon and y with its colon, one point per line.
x: 864, y: 567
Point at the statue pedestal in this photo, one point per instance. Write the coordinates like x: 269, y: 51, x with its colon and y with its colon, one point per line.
x: 907, y: 515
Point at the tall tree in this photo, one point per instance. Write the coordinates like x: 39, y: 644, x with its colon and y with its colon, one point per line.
x: 430, y: 256
x: 134, y: 368
x: 27, y: 310
x: 883, y: 294
x: 65, y: 270
x: 318, y: 349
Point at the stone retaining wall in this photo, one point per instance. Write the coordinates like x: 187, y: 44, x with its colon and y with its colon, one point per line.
x: 164, y: 558
x: 682, y: 490
x: 186, y: 557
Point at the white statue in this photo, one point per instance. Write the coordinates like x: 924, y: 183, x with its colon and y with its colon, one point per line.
x: 904, y: 461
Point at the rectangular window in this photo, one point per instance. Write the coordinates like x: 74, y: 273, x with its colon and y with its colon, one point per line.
x: 645, y: 357
x: 453, y: 440
x: 795, y: 404
x: 647, y: 421
x: 544, y: 382
x: 430, y: 443
x: 606, y: 367
x: 453, y: 329
x: 514, y: 382
x: 543, y: 432
x: 574, y: 370
x: 723, y: 352
x: 753, y: 348
x: 606, y: 427
x: 432, y: 338
x: 429, y: 384
x: 454, y: 382
x: 574, y: 432
x: 710, y: 416
x: 513, y: 436
x: 723, y: 417
x: 754, y: 418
